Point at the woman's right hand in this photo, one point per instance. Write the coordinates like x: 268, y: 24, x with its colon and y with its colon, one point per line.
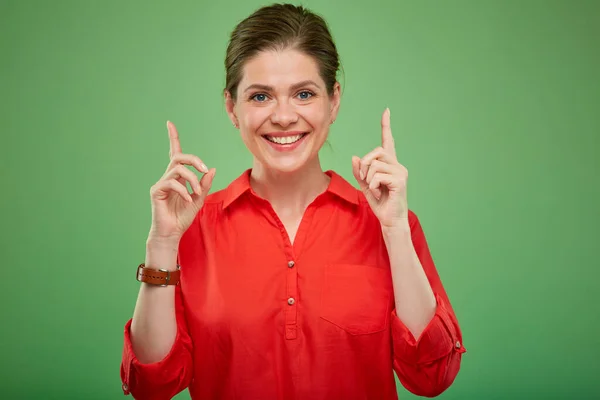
x: 173, y: 207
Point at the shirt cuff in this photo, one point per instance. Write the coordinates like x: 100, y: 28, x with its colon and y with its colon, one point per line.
x: 440, y: 337
x: 133, y: 372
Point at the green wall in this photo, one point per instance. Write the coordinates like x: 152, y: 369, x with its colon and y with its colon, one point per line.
x: 495, y: 111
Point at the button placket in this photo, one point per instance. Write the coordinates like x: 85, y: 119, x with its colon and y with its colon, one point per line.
x: 291, y: 290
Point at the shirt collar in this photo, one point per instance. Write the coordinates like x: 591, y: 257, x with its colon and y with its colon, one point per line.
x: 337, y: 186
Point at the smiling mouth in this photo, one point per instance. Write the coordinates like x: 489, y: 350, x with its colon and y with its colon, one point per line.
x: 285, y: 139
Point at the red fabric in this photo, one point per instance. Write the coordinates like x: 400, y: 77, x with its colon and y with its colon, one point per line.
x: 240, y: 338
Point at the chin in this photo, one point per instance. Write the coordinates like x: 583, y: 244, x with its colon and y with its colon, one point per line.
x: 285, y: 167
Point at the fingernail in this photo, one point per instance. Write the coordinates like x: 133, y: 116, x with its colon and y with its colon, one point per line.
x: 362, y: 175
x: 168, y: 123
x: 203, y: 168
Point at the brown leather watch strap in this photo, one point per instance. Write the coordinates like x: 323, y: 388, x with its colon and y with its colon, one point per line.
x: 160, y: 277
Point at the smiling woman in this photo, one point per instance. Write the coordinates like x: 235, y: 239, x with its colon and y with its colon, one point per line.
x: 283, y: 110
x: 290, y: 283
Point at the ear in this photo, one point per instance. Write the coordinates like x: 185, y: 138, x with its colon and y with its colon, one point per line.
x: 230, y: 108
x: 335, y: 102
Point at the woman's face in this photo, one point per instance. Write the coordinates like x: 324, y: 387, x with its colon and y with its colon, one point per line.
x: 283, y: 109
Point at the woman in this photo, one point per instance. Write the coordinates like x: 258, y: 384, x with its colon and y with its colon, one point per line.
x: 289, y: 283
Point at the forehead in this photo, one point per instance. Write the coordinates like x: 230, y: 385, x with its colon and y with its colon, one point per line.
x: 280, y: 68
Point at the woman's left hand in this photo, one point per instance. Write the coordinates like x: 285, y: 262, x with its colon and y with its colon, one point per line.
x: 383, y: 179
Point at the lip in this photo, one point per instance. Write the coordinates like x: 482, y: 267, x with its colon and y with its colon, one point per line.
x: 286, y: 147
x: 283, y: 134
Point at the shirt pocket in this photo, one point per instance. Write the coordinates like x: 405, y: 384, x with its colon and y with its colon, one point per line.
x: 356, y: 297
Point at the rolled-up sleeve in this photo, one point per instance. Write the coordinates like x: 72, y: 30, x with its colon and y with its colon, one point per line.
x: 429, y: 364
x: 165, y: 378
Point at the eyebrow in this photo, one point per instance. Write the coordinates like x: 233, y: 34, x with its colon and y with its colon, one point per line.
x: 270, y: 88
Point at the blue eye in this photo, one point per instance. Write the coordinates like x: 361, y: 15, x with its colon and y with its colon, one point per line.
x: 260, y: 97
x: 305, y: 95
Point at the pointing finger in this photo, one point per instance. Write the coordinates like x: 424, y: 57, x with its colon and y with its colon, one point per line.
x: 387, y: 140
x: 175, y: 147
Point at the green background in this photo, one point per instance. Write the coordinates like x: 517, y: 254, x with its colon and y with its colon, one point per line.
x: 495, y: 110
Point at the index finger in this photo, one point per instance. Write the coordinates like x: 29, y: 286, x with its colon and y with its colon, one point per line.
x: 175, y: 147
x: 387, y: 140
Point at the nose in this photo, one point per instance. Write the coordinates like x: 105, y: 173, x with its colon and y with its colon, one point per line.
x: 284, y: 114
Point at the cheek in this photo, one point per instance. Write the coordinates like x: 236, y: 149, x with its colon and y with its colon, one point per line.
x: 316, y: 116
x: 253, y: 118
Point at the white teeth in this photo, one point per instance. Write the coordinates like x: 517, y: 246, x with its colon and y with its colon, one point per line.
x: 285, y: 139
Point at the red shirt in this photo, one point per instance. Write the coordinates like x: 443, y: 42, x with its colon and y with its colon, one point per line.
x: 262, y: 318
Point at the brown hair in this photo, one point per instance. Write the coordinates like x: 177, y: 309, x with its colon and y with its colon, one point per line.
x: 277, y: 27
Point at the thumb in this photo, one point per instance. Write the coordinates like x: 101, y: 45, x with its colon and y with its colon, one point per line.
x: 356, y: 172
x: 372, y: 195
x: 205, y: 183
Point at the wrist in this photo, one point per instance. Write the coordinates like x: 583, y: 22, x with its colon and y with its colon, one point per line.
x: 162, y: 243
x: 399, y: 229
x: 161, y: 254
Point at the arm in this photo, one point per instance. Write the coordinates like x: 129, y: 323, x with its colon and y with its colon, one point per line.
x: 157, y: 361
x: 427, y: 341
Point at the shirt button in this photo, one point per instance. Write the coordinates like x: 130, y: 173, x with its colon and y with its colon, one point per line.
x: 125, y: 387
x: 291, y: 301
x: 291, y: 264
x: 457, y: 345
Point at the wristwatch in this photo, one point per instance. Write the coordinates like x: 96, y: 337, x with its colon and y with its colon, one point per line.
x: 158, y: 277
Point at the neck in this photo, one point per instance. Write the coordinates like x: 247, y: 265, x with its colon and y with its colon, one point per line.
x: 289, y: 193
